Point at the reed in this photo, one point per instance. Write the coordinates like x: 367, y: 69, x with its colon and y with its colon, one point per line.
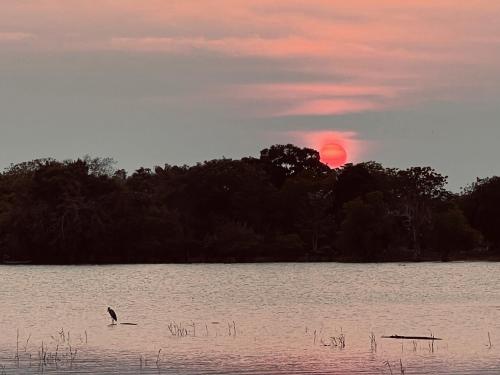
x: 338, y: 341
x: 414, y: 342
x: 27, y: 341
x: 231, y: 328
x: 388, y: 364
x: 373, y: 342
x: 401, y: 368
x: 62, y: 335
x: 177, y: 329
x: 431, y: 341
x: 158, y: 358
x: 17, y: 348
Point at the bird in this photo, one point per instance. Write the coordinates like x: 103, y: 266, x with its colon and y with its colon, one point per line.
x: 113, y: 315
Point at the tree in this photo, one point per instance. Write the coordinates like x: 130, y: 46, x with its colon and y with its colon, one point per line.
x: 418, y: 189
x: 100, y: 166
x: 284, y: 205
x: 307, y: 204
x: 357, y: 180
x: 481, y: 204
x: 283, y: 161
x: 222, y: 191
x: 451, y: 232
x: 232, y: 240
x: 366, y: 231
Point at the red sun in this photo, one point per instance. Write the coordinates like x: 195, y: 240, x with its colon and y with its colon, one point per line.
x: 333, y: 154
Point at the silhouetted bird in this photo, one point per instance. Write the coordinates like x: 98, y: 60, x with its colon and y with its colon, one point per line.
x: 113, y: 315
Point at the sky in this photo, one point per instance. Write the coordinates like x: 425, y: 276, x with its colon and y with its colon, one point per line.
x: 149, y: 82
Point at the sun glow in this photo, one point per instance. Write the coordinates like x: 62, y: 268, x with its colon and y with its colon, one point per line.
x: 336, y: 148
x: 333, y: 154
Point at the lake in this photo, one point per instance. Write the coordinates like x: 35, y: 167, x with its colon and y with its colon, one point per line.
x: 250, y: 318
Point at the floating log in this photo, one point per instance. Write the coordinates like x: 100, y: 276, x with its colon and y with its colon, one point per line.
x: 411, y: 337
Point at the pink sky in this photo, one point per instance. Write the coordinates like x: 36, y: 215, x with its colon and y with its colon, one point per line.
x: 411, y: 49
x: 277, y: 59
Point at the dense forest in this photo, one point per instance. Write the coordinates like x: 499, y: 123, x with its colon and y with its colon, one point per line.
x: 283, y: 206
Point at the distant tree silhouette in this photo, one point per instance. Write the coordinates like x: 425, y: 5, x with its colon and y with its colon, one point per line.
x: 481, y: 204
x: 419, y: 189
x: 452, y: 233
x: 367, y: 229
x: 283, y: 206
x: 283, y: 161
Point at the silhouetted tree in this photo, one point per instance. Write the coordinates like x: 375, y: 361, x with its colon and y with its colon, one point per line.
x: 451, y: 232
x: 283, y: 206
x: 366, y: 230
x: 418, y: 189
x: 357, y: 180
x: 481, y: 204
x: 283, y: 161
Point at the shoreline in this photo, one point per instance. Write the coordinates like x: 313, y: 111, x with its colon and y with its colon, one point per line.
x: 485, y: 259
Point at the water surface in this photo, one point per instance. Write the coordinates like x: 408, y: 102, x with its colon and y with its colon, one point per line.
x: 250, y: 318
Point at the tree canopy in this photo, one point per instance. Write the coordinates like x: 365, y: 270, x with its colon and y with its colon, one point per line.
x: 283, y: 206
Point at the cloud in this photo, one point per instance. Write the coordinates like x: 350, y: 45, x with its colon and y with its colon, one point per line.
x: 306, y: 99
x: 253, y: 46
x: 369, y: 55
x: 314, y: 90
x: 15, y: 36
x: 326, y: 107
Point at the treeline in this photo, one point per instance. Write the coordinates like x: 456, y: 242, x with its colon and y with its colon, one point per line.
x: 283, y: 206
